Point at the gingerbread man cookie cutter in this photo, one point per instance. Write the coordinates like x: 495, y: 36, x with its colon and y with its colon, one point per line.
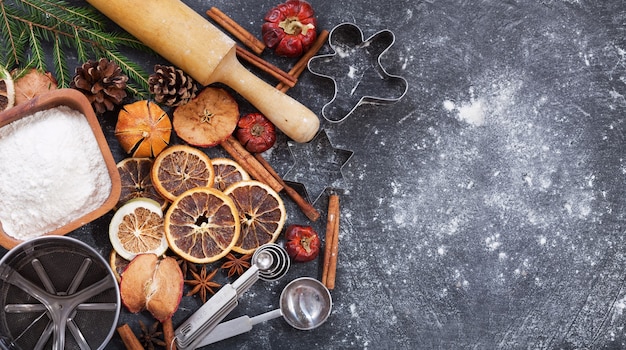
x: 357, y: 72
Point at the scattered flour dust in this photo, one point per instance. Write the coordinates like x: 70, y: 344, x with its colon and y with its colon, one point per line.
x: 51, y: 172
x: 472, y: 112
x: 506, y: 166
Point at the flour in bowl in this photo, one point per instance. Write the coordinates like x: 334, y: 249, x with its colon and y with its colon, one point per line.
x: 52, y: 172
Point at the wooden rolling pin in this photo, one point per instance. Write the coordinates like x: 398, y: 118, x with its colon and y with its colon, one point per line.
x: 190, y: 42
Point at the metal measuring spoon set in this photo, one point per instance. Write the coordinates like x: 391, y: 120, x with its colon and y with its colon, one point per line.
x: 270, y: 262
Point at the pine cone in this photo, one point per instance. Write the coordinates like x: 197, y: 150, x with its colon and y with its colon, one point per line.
x: 171, y: 86
x: 102, y: 82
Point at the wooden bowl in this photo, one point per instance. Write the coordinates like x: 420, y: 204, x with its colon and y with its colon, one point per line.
x: 77, y: 101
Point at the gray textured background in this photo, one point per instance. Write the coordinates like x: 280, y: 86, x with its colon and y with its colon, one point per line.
x: 485, y: 210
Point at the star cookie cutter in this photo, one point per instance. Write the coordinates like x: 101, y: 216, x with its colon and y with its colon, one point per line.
x: 318, y: 165
x: 357, y: 72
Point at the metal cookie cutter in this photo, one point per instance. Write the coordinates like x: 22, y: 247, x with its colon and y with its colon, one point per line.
x: 318, y: 165
x: 356, y: 70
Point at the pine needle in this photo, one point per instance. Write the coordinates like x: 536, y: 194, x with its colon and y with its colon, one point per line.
x: 26, y: 25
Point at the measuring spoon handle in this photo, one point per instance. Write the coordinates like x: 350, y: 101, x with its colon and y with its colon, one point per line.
x: 237, y: 326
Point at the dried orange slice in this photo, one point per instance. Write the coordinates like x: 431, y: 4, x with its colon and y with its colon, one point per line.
x: 118, y: 264
x: 208, y: 119
x: 180, y: 168
x: 143, y: 129
x: 202, y: 225
x: 137, y: 182
x: 261, y: 212
x: 227, y: 172
x: 137, y: 227
x: 7, y: 90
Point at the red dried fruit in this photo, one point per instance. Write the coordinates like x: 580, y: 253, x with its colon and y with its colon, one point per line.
x: 303, y: 243
x: 255, y: 132
x: 290, y: 28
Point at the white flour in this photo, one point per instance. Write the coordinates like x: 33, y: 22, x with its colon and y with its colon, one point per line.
x: 51, y: 172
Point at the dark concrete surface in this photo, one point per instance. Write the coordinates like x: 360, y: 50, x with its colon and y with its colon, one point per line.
x: 486, y: 208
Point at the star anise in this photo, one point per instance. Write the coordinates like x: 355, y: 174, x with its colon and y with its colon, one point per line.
x: 203, y: 283
x: 151, y: 336
x: 236, y: 265
x: 186, y: 265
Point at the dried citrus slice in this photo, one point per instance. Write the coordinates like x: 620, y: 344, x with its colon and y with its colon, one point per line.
x: 118, y: 264
x: 136, y: 181
x: 261, y: 212
x: 137, y: 227
x: 143, y: 129
x: 202, y: 225
x: 227, y: 172
x: 180, y: 168
x: 208, y: 119
x: 7, y: 90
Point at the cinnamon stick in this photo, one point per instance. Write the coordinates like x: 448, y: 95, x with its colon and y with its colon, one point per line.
x: 302, y: 63
x: 302, y: 203
x: 256, y: 45
x: 128, y: 338
x: 249, y: 163
x: 266, y: 67
x: 331, y: 248
x: 168, y: 335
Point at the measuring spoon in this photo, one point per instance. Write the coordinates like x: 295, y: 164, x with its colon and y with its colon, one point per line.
x: 305, y: 303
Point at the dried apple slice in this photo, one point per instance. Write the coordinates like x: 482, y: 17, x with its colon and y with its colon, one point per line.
x: 32, y: 84
x: 208, y: 119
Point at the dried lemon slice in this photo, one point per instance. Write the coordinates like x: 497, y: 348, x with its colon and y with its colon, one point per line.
x: 261, y: 212
x: 7, y: 90
x: 137, y: 182
x: 227, y: 172
x: 137, y: 227
x: 180, y: 168
x: 202, y: 225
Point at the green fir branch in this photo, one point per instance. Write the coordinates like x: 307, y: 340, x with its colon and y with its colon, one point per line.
x: 25, y: 25
x: 38, y: 55
x: 60, y: 65
x: 10, y: 37
x: 131, y: 69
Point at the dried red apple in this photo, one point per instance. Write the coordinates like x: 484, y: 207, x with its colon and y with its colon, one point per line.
x: 137, y: 275
x: 166, y: 290
x: 255, y: 132
x: 154, y: 284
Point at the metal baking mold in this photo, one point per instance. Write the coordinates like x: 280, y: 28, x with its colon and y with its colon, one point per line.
x: 318, y: 165
x: 357, y: 72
